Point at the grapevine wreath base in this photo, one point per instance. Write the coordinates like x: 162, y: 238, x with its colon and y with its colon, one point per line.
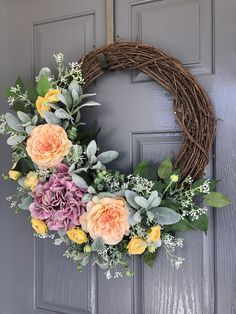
x: 193, y: 107
x: 102, y: 216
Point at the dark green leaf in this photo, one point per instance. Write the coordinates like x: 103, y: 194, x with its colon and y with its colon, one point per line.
x: 165, y: 169
x: 201, y: 223
x: 32, y: 93
x: 216, y: 199
x: 182, y: 225
x: 140, y: 168
x: 20, y: 83
x: 159, y: 186
x: 149, y: 258
x: 43, y: 86
x: 24, y: 165
x: 170, y: 204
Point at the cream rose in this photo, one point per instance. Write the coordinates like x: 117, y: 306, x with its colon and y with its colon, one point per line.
x: 106, y: 217
x: 47, y: 145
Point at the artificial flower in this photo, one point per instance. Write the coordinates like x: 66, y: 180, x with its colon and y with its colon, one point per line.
x: 43, y: 103
x: 174, y: 178
x: 31, y: 180
x: 106, y: 217
x: 14, y: 174
x: 136, y: 246
x: 39, y: 226
x: 77, y: 235
x: 47, y: 145
x: 155, y: 233
x: 58, y: 201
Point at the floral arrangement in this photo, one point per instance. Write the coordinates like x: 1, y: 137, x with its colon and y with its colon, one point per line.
x: 101, y: 216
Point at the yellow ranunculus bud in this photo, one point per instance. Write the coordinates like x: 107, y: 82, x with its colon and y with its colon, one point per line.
x: 31, y: 180
x: 77, y: 235
x: 136, y: 246
x: 39, y: 226
x: 13, y: 174
x: 155, y: 233
x: 42, y: 103
x: 151, y: 248
x: 87, y: 248
x: 174, y: 178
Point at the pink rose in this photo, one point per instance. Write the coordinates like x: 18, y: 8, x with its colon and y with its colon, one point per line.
x: 106, y: 217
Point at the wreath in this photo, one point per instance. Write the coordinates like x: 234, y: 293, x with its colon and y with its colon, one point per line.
x: 64, y: 184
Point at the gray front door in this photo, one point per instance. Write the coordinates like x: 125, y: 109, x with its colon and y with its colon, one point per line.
x: 137, y: 120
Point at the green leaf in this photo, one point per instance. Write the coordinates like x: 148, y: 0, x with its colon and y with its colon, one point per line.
x: 26, y: 203
x: 24, y: 165
x: 43, y: 86
x: 98, y: 244
x: 169, y: 203
x: 20, y: 106
x: 165, y: 215
x: 51, y: 118
x: 140, y: 168
x: 8, y: 92
x: 149, y: 258
x: 107, y: 157
x: 62, y: 114
x: 165, y: 169
x: 25, y: 118
x: 79, y: 181
x: 159, y: 186
x: 216, y: 199
x: 91, y: 149
x: 15, y: 140
x: 130, y: 197
x: 182, y: 225
x: 32, y: 93
x: 141, y: 201
x: 21, y: 84
x: 201, y: 223
x: 13, y: 122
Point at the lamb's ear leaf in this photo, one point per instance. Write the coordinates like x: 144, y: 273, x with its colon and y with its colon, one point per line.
x: 130, y: 197
x: 107, y: 157
x: 98, y: 244
x: 79, y: 181
x: 165, y: 215
x: 25, y: 203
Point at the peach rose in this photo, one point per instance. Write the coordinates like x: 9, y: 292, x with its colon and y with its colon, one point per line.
x: 106, y: 217
x: 47, y: 145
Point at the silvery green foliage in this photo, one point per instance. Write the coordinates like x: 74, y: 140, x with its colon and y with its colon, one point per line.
x: 93, y: 162
x: 150, y: 207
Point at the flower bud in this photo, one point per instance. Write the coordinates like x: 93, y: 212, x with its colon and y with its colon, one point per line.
x: 174, y: 178
x: 87, y: 248
x: 72, y: 133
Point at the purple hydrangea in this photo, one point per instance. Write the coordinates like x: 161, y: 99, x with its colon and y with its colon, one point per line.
x: 59, y: 201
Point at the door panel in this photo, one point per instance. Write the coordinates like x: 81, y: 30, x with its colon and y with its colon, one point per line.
x: 137, y: 120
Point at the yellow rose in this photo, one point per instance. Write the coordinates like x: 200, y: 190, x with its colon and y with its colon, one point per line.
x: 39, y: 226
x: 136, y: 246
x: 13, y: 174
x: 155, y: 234
x: 42, y: 103
x: 77, y: 235
x: 31, y: 180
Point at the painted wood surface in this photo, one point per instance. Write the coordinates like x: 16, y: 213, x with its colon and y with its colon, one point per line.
x: 138, y: 121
